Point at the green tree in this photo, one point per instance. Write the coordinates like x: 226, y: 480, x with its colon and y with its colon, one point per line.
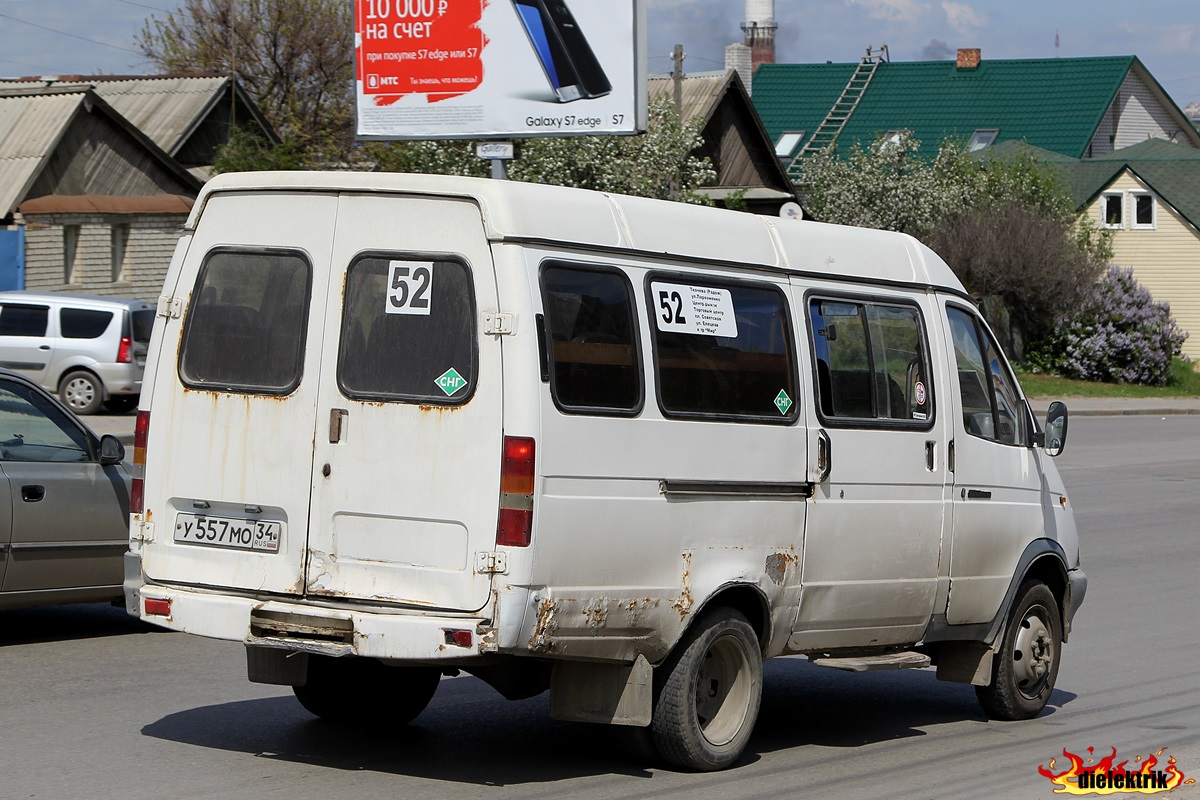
x: 1007, y: 226
x: 659, y: 163
x: 294, y: 57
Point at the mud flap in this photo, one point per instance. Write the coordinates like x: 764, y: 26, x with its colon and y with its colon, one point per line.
x: 612, y: 694
x: 965, y: 662
x: 276, y: 667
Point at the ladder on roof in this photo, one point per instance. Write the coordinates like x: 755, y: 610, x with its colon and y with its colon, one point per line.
x: 830, y: 127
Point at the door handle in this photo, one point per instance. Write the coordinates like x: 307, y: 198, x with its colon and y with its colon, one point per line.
x: 824, y: 456
x: 976, y: 494
x: 32, y: 493
x: 931, y: 455
x: 337, y: 420
x: 44, y: 347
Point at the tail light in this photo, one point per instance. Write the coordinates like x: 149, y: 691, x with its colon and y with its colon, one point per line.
x: 141, y: 430
x: 515, y: 525
x: 125, y: 351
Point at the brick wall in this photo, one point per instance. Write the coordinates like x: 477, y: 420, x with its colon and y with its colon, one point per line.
x: 148, y: 248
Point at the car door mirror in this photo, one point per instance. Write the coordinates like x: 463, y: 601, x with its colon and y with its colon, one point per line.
x: 1056, y: 429
x: 112, y: 451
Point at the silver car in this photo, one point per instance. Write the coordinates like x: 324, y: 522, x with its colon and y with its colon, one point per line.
x: 91, y: 350
x: 64, y: 531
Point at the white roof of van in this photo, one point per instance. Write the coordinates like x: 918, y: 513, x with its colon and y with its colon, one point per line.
x: 529, y: 211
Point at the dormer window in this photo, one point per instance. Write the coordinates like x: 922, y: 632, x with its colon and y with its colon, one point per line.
x: 983, y: 137
x: 1142, y: 206
x: 788, y: 144
x: 1112, y: 209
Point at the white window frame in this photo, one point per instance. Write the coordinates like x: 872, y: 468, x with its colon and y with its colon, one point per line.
x: 119, y: 240
x: 1104, y: 198
x: 1133, y: 220
x: 789, y: 153
x: 982, y: 139
x: 71, y: 234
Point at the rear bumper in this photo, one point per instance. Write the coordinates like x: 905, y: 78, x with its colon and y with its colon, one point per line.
x: 415, y: 637
x: 120, y: 379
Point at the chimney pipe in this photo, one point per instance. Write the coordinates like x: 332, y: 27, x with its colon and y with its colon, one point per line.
x: 968, y: 57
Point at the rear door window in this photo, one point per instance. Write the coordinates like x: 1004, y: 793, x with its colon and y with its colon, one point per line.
x: 408, y: 330
x: 245, y: 328
x: 23, y: 320
x: 593, y: 351
x: 83, y: 323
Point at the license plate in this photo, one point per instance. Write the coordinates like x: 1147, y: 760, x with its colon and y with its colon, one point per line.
x: 238, y: 534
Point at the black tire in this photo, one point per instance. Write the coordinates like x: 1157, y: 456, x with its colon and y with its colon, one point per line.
x: 1024, y: 671
x: 365, y: 693
x: 707, y: 693
x: 81, y: 391
x: 121, y: 404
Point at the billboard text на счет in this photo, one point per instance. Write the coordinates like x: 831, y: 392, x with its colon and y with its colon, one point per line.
x: 439, y: 69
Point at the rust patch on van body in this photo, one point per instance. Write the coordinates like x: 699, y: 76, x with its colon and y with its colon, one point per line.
x: 540, y: 641
x: 685, y: 602
x: 596, y: 614
x: 777, y: 564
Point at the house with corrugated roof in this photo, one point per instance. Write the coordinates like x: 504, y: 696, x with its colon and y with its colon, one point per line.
x: 735, y: 142
x: 97, y: 173
x: 188, y: 116
x: 88, y: 202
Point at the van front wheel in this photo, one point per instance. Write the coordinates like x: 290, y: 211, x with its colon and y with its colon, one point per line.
x: 707, y: 693
x: 1024, y: 671
x: 82, y: 392
x: 365, y: 693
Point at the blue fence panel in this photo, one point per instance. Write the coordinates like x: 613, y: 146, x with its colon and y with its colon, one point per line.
x: 12, y: 259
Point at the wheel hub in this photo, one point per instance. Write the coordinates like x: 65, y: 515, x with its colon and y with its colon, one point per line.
x: 1033, y: 653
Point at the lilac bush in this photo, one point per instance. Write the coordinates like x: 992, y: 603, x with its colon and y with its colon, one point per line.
x: 1119, y: 335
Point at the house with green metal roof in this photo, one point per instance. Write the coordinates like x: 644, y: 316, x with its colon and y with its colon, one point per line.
x: 1076, y: 107
x: 1130, y: 155
x: 1148, y: 196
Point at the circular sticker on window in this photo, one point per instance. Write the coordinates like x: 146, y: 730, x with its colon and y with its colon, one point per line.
x: 920, y: 393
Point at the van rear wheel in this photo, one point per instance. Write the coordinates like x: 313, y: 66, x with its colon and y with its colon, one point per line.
x: 707, y: 698
x: 1024, y: 671
x: 82, y: 392
x: 363, y: 692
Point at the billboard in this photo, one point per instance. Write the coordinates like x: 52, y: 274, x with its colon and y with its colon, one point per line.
x: 458, y: 69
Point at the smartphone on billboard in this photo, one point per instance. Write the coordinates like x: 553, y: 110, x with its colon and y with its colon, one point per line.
x: 565, y: 55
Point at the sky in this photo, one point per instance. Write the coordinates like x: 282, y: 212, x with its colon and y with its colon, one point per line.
x: 74, y: 37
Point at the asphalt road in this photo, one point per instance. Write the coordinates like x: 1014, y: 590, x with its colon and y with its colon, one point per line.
x: 95, y: 705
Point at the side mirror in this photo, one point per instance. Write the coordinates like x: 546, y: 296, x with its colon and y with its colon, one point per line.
x: 1056, y: 429
x: 112, y: 451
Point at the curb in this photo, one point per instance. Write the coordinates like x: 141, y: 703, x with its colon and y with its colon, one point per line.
x: 1133, y: 412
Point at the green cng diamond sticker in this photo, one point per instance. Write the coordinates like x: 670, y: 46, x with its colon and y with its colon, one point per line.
x: 783, y: 402
x: 450, y: 382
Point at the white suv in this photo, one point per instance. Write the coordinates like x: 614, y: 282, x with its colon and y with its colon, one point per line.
x: 91, y: 350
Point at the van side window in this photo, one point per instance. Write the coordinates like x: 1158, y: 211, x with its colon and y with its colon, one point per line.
x: 592, y: 340
x: 408, y: 331
x: 871, y: 362
x: 245, y: 327
x: 991, y: 413
x: 22, y: 320
x: 83, y: 323
x: 722, y: 349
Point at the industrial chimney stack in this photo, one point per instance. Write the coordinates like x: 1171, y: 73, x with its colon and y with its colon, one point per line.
x: 759, y: 28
